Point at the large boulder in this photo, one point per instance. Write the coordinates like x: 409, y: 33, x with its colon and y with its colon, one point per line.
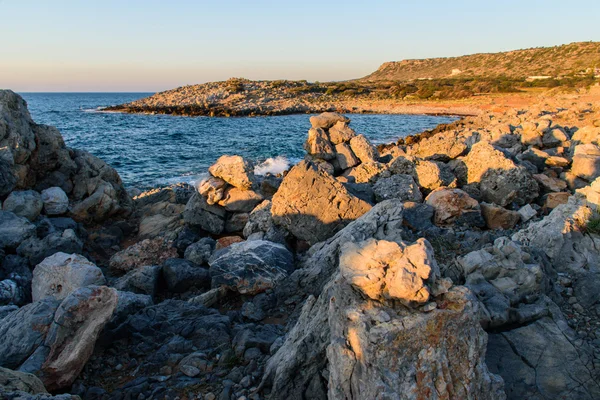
x: 36, y: 250
x: 500, y: 180
x: 327, y: 119
x: 341, y: 133
x: 355, y: 342
x: 586, y: 162
x: 431, y: 175
x: 234, y: 170
x: 318, y: 145
x: 240, y: 201
x: 61, y: 274
x: 363, y: 149
x: 440, y: 147
x: 55, y: 201
x: 401, y: 187
x: 250, y: 267
x: 14, y: 229
x: 454, y: 206
x: 198, y: 213
x: 146, y: 252
x: 26, y: 203
x: 313, y: 205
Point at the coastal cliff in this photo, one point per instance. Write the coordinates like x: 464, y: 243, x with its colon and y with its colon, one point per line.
x: 458, y: 263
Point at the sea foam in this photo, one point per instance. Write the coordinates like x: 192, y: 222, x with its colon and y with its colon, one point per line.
x: 274, y: 165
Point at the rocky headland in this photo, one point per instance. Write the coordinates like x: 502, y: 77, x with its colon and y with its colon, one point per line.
x: 461, y: 263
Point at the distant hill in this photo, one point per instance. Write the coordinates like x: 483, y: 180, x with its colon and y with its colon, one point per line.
x: 569, y: 59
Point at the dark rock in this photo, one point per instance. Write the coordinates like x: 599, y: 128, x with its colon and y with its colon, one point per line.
x: 182, y: 275
x: 14, y: 230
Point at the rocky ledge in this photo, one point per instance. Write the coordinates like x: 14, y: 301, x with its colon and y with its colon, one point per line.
x: 460, y: 263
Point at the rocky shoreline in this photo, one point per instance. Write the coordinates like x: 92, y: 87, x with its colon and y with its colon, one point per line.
x: 459, y: 263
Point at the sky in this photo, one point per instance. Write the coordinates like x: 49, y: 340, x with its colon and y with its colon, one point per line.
x: 152, y: 45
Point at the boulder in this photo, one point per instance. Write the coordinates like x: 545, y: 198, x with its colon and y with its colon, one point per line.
x: 526, y: 212
x: 500, y: 180
x: 14, y: 230
x: 234, y: 170
x: 198, y: 213
x: 344, y: 157
x: 587, y: 134
x: 367, y: 172
x: 440, y: 147
x: 327, y: 119
x: 236, y: 222
x: 182, y: 275
x: 250, y: 267
x: 401, y: 187
x: 531, y: 135
x: 261, y: 226
x: 318, y: 145
x: 146, y: 252
x: 402, y: 165
x: 418, y: 216
x: 554, y: 137
x: 36, y: 250
x: 453, y: 206
x: 341, y: 133
x: 61, y: 274
x: 101, y: 204
x: 431, y: 175
x: 240, y: 201
x: 212, y: 189
x: 13, y: 381
x: 200, y: 252
x: 497, y: 217
x: 586, y: 162
x: 313, y: 205
x: 352, y: 342
x: 55, y: 201
x: 550, y: 184
x: 363, y: 149
x: 142, y: 280
x: 27, y: 203
x: 550, y: 201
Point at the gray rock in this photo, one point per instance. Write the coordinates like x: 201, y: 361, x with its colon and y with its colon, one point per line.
x: 61, y: 274
x: 200, y: 252
x: 12, y: 381
x: 128, y: 303
x: 418, y: 216
x: 55, y: 201
x: 402, y: 187
x: 250, y: 267
x: 363, y: 149
x: 182, y: 275
x: 27, y: 203
x: 36, y: 250
x: 14, y: 230
x: 12, y: 293
x: 327, y: 119
x: 198, y: 213
x: 142, y: 280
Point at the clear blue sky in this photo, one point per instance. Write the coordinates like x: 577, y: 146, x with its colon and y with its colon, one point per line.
x: 151, y: 45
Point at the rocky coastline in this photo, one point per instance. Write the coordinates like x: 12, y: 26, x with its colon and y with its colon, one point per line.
x: 461, y: 263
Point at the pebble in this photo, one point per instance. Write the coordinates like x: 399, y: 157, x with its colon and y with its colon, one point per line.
x: 189, y: 370
x: 210, y: 396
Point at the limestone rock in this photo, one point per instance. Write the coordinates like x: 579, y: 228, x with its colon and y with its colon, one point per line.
x: 61, y: 274
x: 318, y: 145
x: 199, y: 213
x: 327, y: 119
x: 549, y: 184
x: 27, y: 203
x: 552, y: 200
x: 146, y: 252
x: 554, y: 137
x: 432, y: 175
x: 313, y: 205
x: 587, y: 134
x: 250, y: 267
x: 14, y: 229
x: 234, y: 170
x: 363, y: 149
x: 441, y: 147
x: 367, y: 172
x: 453, y: 206
x: 341, y: 133
x: 497, y: 217
x: 401, y: 187
x: 586, y: 162
x: 213, y: 189
x: 527, y: 212
x: 55, y: 201
x: 238, y: 200
x: 344, y: 157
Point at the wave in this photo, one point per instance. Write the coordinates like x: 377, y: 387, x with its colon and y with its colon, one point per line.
x: 189, y: 178
x: 274, y: 165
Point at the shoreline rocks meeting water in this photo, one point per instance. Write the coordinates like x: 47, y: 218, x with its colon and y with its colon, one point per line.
x: 462, y: 262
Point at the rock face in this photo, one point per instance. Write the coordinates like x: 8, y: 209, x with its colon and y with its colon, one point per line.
x: 454, y: 206
x: 313, y: 205
x: 250, y: 267
x: 27, y: 203
x: 234, y: 170
x: 361, y: 348
x: 61, y: 274
x: 500, y: 180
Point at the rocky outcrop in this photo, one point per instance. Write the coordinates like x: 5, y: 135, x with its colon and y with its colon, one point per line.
x: 312, y: 205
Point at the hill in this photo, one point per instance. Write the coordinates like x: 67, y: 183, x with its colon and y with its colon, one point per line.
x: 566, y: 60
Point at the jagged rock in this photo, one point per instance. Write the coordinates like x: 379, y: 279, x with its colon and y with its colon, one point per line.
x: 213, y: 189
x: 432, y: 175
x: 497, y: 217
x: 146, y: 252
x: 261, y: 225
x: 441, y: 147
x: 200, y: 214
x: 181, y: 275
x: 128, y: 303
x: 587, y: 134
x: 12, y: 381
x: 142, y: 280
x: 363, y: 149
x: 552, y: 200
x: 36, y: 250
x: 327, y: 119
x: 61, y: 274
x: 401, y: 187
x: 12, y: 293
x: 318, y: 145
x: 527, y: 212
x: 101, y: 204
x: 234, y: 170
x: 14, y: 229
x: 200, y: 252
x: 344, y: 157
x: 347, y: 346
x: 27, y: 203
x: 531, y: 135
x: 454, y: 206
x: 500, y: 180
x: 55, y: 201
x: 341, y: 133
x: 402, y: 165
x: 549, y: 184
x: 250, y: 267
x: 367, y: 172
x: 586, y: 162
x: 313, y: 205
x: 238, y: 200
x: 554, y: 137
x: 418, y: 216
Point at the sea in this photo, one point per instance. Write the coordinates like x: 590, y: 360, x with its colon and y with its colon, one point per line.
x: 157, y: 150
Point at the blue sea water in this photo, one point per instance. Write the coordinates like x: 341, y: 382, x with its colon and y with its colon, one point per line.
x: 154, y: 150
